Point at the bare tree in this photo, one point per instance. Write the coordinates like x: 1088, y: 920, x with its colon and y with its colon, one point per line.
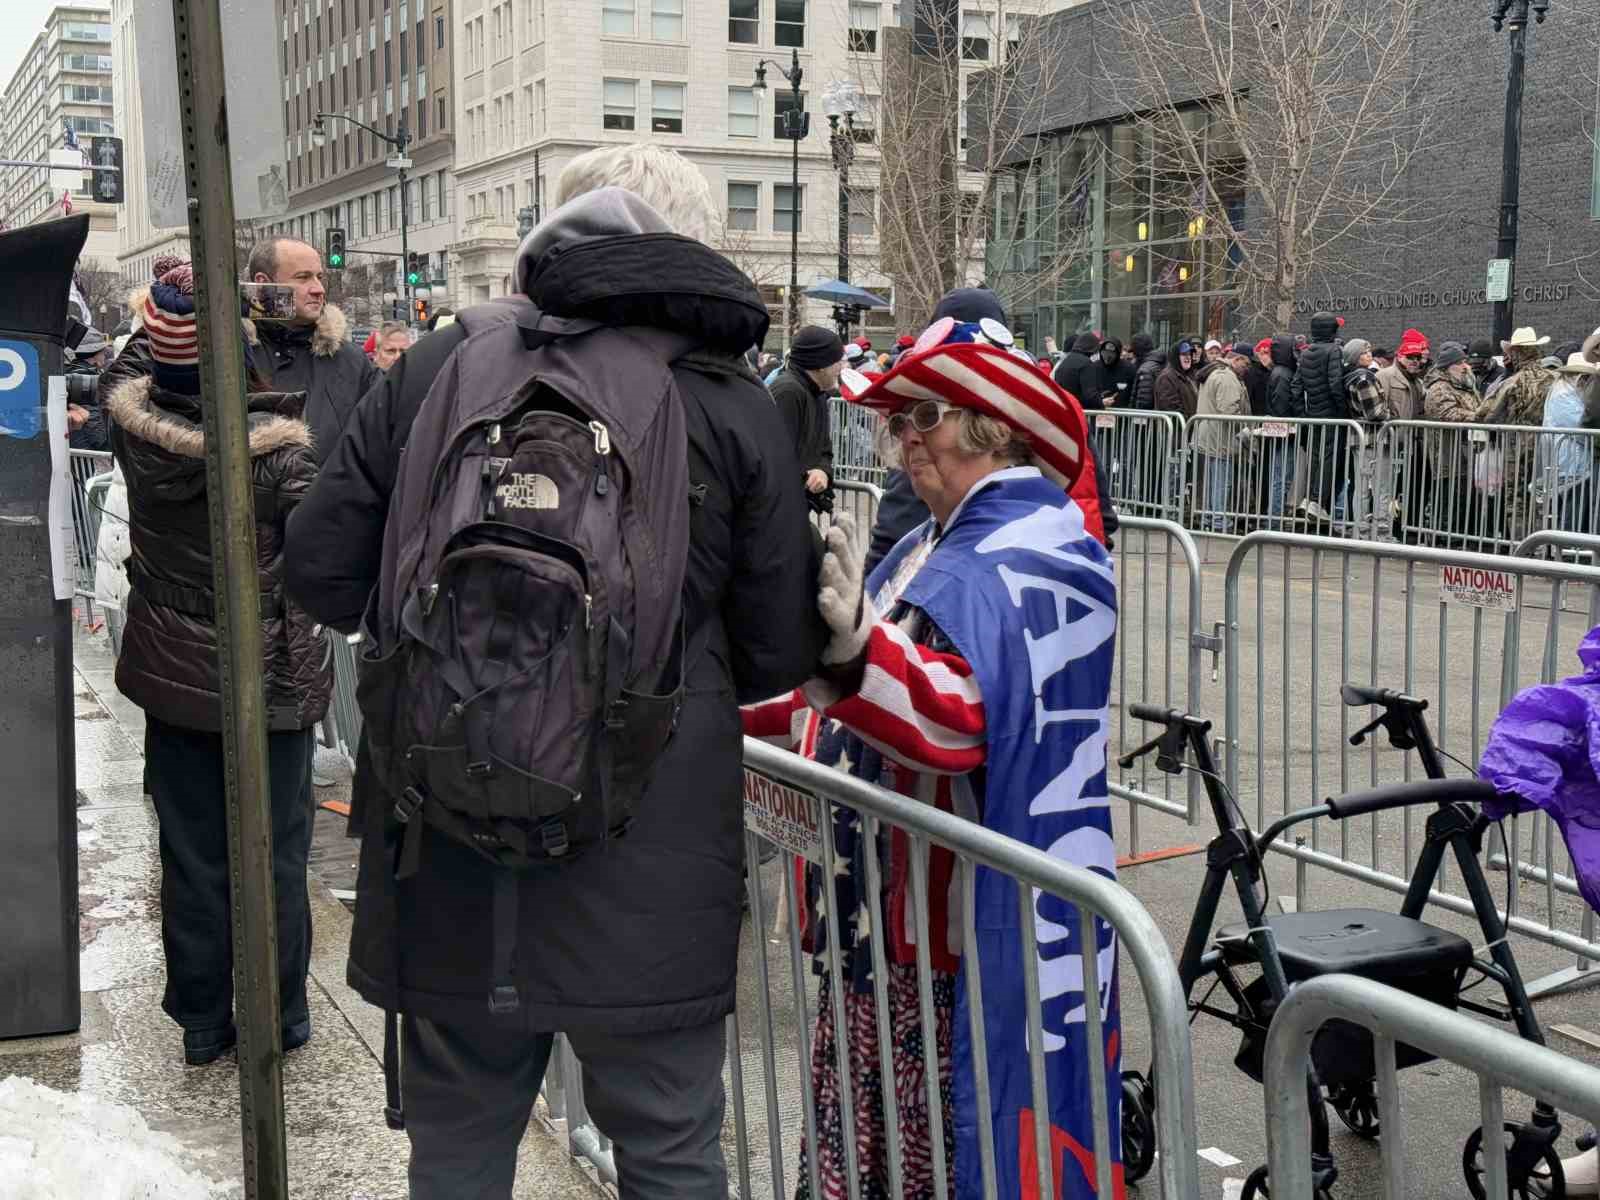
x: 1313, y: 117
x: 103, y: 291
x: 966, y: 195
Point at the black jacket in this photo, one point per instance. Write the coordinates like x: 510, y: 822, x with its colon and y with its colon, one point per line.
x: 1255, y: 385
x: 1098, y: 380
x: 319, y: 361
x: 642, y: 934
x: 1144, y: 379
x: 1319, y: 377
x: 1280, y: 383
x: 168, y: 663
x: 1069, y: 371
x: 806, y: 415
x: 1176, y: 389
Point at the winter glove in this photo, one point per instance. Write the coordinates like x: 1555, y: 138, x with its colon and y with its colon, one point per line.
x: 841, y: 599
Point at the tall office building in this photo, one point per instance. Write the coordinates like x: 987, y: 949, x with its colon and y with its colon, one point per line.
x: 64, y: 80
x: 385, y: 64
x: 540, y: 82
x: 139, y: 243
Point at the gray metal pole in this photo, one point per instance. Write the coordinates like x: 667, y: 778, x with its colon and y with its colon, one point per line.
x: 202, y: 76
x: 1511, y: 163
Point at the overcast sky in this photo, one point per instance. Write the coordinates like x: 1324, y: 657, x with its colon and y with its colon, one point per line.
x: 24, y: 21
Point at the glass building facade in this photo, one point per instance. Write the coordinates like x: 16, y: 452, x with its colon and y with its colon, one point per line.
x: 1105, y: 231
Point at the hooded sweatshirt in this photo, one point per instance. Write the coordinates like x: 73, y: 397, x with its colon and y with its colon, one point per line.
x: 1107, y: 386
x: 1069, y: 371
x: 1280, y: 382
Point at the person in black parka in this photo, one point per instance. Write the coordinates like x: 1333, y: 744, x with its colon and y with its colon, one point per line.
x: 1069, y: 371
x: 632, y: 949
x: 1319, y: 387
x: 802, y: 392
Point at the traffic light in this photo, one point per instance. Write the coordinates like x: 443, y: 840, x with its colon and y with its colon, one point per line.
x: 105, y: 153
x: 419, y: 311
x: 334, y: 257
x: 413, y: 269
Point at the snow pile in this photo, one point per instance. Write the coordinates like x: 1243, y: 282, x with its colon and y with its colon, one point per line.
x: 59, y: 1146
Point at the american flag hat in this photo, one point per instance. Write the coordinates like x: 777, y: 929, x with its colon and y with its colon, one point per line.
x: 947, y: 365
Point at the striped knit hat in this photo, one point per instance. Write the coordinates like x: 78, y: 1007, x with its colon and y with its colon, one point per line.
x: 169, y: 323
x: 948, y: 364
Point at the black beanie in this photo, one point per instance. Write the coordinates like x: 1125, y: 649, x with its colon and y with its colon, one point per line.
x: 815, y: 347
x: 1451, y: 353
x: 1143, y: 343
x: 970, y: 305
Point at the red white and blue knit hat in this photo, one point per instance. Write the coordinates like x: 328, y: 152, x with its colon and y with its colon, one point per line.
x: 169, y: 323
x: 949, y: 365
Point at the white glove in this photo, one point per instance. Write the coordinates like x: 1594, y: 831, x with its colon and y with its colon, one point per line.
x: 840, y: 599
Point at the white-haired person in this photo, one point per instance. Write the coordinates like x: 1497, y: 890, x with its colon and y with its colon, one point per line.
x: 971, y: 671
x: 630, y: 950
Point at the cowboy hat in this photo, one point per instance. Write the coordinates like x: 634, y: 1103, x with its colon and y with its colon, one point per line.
x: 1525, y: 338
x: 947, y: 364
x: 1577, y: 364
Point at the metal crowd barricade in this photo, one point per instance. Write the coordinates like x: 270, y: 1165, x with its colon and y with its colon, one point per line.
x: 1245, y: 473
x: 1487, y: 487
x: 86, y: 464
x: 1464, y: 630
x: 1498, y: 1057
x: 1142, y: 455
x: 858, y: 499
x: 343, y: 722
x: 1159, y: 657
x: 762, y: 1138
x: 855, y: 443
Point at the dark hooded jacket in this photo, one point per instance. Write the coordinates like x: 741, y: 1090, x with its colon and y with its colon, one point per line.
x: 1280, y: 382
x: 805, y: 412
x: 1255, y: 386
x: 1100, y: 381
x: 1176, y: 390
x: 168, y: 665
x: 1319, y: 376
x: 320, y: 361
x: 1149, y: 365
x: 1069, y: 371
x: 641, y: 934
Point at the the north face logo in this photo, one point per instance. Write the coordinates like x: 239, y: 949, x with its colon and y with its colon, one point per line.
x: 528, y: 491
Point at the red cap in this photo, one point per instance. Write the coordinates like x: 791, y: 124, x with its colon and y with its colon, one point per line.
x: 864, y: 343
x: 1264, y: 344
x: 371, y: 344
x: 904, y: 341
x: 1412, y: 341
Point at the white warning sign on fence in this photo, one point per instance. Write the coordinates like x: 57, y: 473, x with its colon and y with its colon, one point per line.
x: 787, y: 817
x: 1478, y: 588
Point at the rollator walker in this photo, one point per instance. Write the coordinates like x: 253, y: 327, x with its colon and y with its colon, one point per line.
x: 1398, y: 949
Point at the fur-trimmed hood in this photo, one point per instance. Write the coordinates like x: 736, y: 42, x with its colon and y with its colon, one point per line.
x: 327, y: 336
x: 169, y: 422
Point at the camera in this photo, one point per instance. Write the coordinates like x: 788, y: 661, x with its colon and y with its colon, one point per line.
x: 83, y: 388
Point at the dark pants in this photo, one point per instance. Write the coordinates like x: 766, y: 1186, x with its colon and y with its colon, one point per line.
x: 657, y: 1096
x: 186, y: 784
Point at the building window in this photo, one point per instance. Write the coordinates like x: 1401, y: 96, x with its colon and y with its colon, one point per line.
x: 744, y: 206
x: 666, y: 107
x: 1013, y: 34
x: 788, y: 208
x: 744, y: 22
x: 863, y: 212
x: 620, y: 104
x: 790, y: 26
x: 438, y: 33
x: 539, y: 103
x: 976, y: 32
x: 863, y: 37
x: 617, y: 19
x: 666, y: 20
x: 441, y: 114
x: 783, y: 104
x: 444, y: 195
x: 744, y: 112
x: 865, y: 129
x: 427, y: 197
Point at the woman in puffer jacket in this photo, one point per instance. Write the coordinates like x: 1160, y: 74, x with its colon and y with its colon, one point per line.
x: 169, y: 667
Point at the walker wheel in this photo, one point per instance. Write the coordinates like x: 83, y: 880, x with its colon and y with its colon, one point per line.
x: 1357, y: 1106
x: 1540, y: 1179
x: 1256, y: 1186
x: 1138, y: 1128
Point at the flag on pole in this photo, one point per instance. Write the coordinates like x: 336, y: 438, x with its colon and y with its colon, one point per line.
x: 66, y: 202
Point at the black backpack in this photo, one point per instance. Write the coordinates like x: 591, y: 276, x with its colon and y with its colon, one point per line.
x: 523, y: 669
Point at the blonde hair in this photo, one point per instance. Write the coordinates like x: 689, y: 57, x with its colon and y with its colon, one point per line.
x: 664, y: 179
x: 976, y: 434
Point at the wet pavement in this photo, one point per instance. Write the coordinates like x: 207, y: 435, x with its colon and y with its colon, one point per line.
x: 128, y: 1051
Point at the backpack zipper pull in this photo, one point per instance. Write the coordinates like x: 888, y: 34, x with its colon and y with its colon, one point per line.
x: 602, y: 448
x: 494, y: 434
x: 588, y: 611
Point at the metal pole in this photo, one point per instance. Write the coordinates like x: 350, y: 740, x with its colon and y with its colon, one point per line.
x: 1511, y: 165
x: 202, y: 76
x: 401, y: 140
x: 795, y: 75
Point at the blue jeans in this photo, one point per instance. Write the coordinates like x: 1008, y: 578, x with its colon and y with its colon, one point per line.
x: 1218, y: 488
x: 1280, y: 473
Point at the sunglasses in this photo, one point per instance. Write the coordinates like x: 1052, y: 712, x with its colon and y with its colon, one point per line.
x: 923, y: 416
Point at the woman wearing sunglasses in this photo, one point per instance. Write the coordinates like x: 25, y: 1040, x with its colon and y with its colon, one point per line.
x: 972, y: 672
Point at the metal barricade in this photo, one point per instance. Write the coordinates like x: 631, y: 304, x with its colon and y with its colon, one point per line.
x: 757, y: 1142
x: 1245, y: 473
x: 344, y: 714
x: 1574, y: 545
x: 1498, y: 1057
x: 1142, y: 455
x: 1159, y: 657
x: 855, y: 443
x: 1487, y: 487
x: 86, y: 464
x: 1464, y: 630
x: 860, y: 500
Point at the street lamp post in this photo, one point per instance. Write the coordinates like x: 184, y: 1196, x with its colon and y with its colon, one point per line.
x: 796, y: 125
x: 839, y: 102
x: 398, y: 140
x: 1515, y: 14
